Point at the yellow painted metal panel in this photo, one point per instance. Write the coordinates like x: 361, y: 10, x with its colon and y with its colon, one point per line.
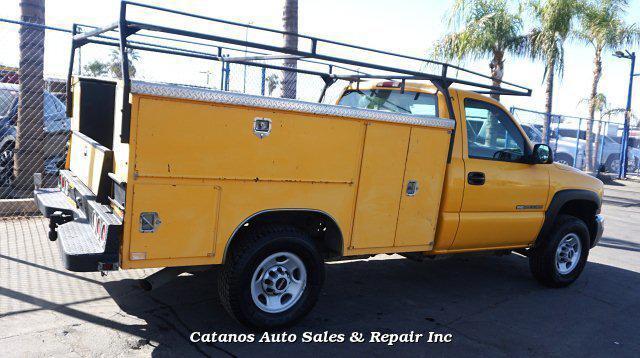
x: 380, y: 186
x: 238, y: 201
x: 220, y: 143
x: 490, y: 215
x: 188, y: 215
x: 488, y: 230
x: 426, y: 162
x: 86, y: 161
x: 506, y: 186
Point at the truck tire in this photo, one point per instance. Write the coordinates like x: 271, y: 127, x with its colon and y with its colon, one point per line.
x: 563, y: 158
x: 272, y: 278
x: 560, y: 259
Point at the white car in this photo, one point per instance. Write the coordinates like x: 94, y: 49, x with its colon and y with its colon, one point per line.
x: 564, y: 150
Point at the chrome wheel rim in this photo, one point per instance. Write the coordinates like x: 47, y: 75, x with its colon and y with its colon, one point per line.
x: 568, y: 253
x: 278, y: 282
x: 615, y: 165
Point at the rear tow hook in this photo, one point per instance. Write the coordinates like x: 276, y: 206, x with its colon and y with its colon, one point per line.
x: 56, y: 219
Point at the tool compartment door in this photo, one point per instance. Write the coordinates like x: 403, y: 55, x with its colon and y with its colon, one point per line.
x: 426, y: 165
x: 386, y: 215
x: 187, y: 221
x: 381, y: 174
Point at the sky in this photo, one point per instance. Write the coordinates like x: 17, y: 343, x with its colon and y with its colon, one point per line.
x: 404, y: 26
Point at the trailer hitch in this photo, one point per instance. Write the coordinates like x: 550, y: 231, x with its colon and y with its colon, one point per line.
x: 56, y: 219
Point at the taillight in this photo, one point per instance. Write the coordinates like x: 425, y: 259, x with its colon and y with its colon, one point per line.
x: 103, y: 234
x: 100, y: 228
x: 96, y: 224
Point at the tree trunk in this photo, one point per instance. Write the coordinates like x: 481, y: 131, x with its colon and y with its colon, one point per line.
x: 497, y: 71
x: 597, y: 71
x: 290, y: 21
x: 30, y: 135
x: 548, y: 106
x: 598, y: 143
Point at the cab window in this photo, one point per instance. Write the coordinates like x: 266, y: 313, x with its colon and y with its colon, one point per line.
x: 392, y: 101
x: 491, y: 134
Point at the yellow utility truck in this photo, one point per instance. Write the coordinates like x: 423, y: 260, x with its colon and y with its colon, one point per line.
x: 410, y: 162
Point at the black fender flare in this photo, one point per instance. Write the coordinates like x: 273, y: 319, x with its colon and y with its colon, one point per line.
x: 560, y: 198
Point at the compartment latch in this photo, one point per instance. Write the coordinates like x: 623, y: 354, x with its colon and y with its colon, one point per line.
x: 149, y: 221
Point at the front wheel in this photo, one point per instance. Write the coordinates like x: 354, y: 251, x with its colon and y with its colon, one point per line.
x: 272, y: 278
x: 560, y: 259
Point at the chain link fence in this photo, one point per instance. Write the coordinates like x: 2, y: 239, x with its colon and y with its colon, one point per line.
x: 33, y: 126
x: 592, y: 146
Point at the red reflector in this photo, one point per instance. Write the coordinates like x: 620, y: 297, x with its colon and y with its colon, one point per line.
x: 103, y: 235
x: 389, y: 84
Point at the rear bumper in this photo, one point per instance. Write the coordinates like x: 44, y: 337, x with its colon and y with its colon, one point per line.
x: 87, y: 232
x: 599, y: 230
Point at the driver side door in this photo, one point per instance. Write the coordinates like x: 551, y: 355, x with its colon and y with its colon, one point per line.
x: 504, y: 197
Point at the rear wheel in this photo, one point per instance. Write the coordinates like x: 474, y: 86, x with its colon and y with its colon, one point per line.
x: 272, y: 278
x: 560, y: 259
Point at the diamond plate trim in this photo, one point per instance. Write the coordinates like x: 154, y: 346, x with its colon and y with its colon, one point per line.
x: 210, y: 95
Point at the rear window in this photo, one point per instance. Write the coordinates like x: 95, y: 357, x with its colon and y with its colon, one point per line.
x: 392, y: 101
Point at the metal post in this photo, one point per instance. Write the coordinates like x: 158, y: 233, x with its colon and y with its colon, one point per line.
x: 227, y: 70
x: 622, y: 173
x: 575, y: 157
x: 264, y: 79
x: 602, y: 142
x: 556, y: 130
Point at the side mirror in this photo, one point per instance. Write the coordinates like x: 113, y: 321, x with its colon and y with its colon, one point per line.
x: 541, y: 154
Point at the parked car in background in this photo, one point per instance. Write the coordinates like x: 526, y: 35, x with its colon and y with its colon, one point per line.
x: 564, y: 151
x: 56, y: 128
x: 609, y: 155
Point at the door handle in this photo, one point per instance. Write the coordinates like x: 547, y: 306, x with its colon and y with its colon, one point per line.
x: 475, y: 178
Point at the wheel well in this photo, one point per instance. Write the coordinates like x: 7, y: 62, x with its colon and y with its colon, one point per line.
x: 584, y: 210
x: 320, y: 226
x: 564, y: 155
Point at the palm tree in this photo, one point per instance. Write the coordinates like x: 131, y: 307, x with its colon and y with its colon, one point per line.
x: 290, y: 23
x: 600, y: 104
x: 96, y: 68
x: 603, y: 27
x: 114, y: 62
x: 29, y: 156
x: 484, y: 28
x: 555, y: 19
